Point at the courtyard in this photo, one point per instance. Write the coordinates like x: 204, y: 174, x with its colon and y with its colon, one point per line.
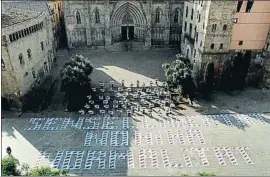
x: 225, y: 136
x: 227, y: 144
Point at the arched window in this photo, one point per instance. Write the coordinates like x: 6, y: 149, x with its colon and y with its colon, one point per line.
x: 201, y: 44
x: 224, y: 27
x: 185, y: 26
x: 214, y: 27
x: 11, y: 38
x: 45, y: 68
x: 212, y: 46
x: 176, y: 16
x: 3, y: 66
x: 221, y: 46
x: 33, y: 73
x: 97, y: 16
x: 21, y: 59
x: 158, y: 16
x: 186, y: 12
x: 29, y: 54
x: 194, y: 53
x: 187, y: 56
x: 78, y: 17
x: 42, y: 45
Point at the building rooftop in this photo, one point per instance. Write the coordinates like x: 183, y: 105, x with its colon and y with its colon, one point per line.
x: 38, y: 6
x: 14, y: 16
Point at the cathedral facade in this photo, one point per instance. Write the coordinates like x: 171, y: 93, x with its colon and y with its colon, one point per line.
x: 115, y: 24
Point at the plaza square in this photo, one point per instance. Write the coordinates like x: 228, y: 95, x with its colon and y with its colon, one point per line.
x: 226, y: 144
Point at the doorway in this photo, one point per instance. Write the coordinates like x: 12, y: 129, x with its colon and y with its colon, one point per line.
x: 124, y: 33
x: 131, y: 32
x: 127, y: 33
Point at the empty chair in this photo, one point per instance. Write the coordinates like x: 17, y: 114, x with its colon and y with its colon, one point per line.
x: 87, y: 106
x: 112, y: 83
x: 101, y: 84
x: 81, y: 111
x: 91, y: 112
x: 100, y: 97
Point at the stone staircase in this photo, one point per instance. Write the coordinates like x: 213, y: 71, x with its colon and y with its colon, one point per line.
x: 125, y: 47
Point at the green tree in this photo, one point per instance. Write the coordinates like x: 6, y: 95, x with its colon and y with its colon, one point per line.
x: 178, y: 75
x: 206, y: 174
x: 245, y: 66
x: 208, y: 85
x: 9, y: 166
x: 226, y: 76
x: 48, y: 171
x: 75, y: 77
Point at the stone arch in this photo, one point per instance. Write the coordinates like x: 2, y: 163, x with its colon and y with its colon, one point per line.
x: 75, y: 13
x: 133, y: 11
x: 177, y: 11
x: 158, y: 15
x: 96, y: 15
x: 188, y: 52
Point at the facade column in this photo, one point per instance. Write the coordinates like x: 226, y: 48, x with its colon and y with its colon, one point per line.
x: 68, y: 22
x: 167, y: 23
x: 108, y: 36
x: 148, y: 10
x: 88, y: 25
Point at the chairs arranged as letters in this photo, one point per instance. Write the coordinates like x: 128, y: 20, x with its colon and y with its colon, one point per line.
x: 110, y: 98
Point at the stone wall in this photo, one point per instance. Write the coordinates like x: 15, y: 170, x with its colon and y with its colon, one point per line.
x: 220, y: 14
x: 18, y: 79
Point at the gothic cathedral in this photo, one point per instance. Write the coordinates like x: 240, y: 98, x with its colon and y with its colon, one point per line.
x: 113, y: 24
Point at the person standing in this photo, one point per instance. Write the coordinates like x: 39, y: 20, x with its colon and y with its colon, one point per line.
x: 138, y: 83
x: 8, y: 151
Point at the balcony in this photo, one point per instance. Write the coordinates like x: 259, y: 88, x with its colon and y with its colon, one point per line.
x: 189, y: 38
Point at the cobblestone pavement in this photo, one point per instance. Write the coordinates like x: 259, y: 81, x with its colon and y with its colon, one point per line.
x: 228, y: 144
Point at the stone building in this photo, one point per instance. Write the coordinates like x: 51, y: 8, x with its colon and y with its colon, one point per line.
x: 214, y: 30
x: 207, y: 30
x: 52, y: 9
x: 55, y: 10
x: 116, y: 23
x: 27, y: 52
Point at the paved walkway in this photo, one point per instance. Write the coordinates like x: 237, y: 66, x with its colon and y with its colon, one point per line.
x: 223, y: 144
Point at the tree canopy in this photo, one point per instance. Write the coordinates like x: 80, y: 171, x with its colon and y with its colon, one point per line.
x: 178, y: 75
x: 9, y: 166
x: 75, y: 77
x: 76, y: 72
x: 48, y: 171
